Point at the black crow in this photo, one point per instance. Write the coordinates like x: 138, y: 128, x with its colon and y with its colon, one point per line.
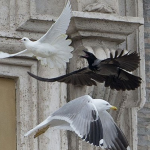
x: 112, y: 71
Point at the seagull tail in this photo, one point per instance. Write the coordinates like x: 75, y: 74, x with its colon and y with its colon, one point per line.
x: 40, y: 129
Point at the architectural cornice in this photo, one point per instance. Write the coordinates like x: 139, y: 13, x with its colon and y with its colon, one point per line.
x: 107, y: 27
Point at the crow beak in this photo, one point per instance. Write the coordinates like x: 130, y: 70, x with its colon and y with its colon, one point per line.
x: 87, y: 54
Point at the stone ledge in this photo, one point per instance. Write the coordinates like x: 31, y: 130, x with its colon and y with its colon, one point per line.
x: 83, y: 25
x: 108, y: 26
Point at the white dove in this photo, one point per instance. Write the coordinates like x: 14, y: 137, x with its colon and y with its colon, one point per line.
x: 53, y: 48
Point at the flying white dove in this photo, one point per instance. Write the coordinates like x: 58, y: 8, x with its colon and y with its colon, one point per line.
x: 89, y: 119
x: 53, y: 48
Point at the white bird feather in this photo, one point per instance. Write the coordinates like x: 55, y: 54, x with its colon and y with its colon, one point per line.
x: 89, y: 119
x: 53, y: 48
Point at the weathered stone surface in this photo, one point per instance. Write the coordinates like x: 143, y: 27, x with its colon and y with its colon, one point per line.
x: 26, y: 98
x: 144, y: 113
x: 103, y: 6
x: 99, y: 33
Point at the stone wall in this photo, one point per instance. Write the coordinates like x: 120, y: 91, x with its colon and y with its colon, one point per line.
x: 144, y: 113
x: 119, y: 24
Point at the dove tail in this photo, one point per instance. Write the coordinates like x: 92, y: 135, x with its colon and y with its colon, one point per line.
x: 63, y: 52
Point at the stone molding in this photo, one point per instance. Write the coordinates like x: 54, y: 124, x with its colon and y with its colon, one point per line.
x: 83, y: 25
x: 26, y: 97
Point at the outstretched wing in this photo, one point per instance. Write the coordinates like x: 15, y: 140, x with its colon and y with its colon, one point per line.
x: 83, y: 118
x: 41, y: 128
x: 123, y: 81
x: 119, y: 81
x: 57, y: 38
x: 81, y: 115
x: 6, y: 55
x: 129, y: 62
x: 83, y: 76
x: 114, y: 138
x: 58, y: 29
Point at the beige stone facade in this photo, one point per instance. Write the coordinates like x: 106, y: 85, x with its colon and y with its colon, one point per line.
x: 100, y: 26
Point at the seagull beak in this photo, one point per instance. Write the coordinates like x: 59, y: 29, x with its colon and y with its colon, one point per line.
x: 113, y: 107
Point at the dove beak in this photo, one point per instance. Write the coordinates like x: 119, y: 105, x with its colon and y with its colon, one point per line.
x: 20, y: 41
x: 113, y: 107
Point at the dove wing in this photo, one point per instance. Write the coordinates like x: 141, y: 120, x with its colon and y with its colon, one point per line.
x: 6, y: 55
x: 59, y: 28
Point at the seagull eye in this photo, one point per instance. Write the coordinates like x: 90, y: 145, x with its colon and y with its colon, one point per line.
x: 107, y: 104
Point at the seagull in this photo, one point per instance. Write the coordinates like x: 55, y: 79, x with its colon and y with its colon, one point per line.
x: 89, y: 119
x: 114, y: 71
x: 53, y: 48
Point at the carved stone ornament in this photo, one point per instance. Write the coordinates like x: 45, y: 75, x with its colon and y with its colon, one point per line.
x: 102, y: 6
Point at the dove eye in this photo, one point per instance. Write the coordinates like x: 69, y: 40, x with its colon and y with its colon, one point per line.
x: 24, y: 39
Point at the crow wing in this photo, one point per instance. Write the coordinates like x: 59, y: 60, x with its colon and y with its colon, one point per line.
x: 82, y: 77
x: 131, y: 83
x: 129, y: 62
x: 120, y: 80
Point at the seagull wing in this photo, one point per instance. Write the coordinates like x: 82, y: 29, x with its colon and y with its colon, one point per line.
x: 41, y: 128
x: 114, y: 138
x: 59, y: 27
x: 83, y: 117
x: 6, y: 55
x: 128, y: 61
x: 81, y: 77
